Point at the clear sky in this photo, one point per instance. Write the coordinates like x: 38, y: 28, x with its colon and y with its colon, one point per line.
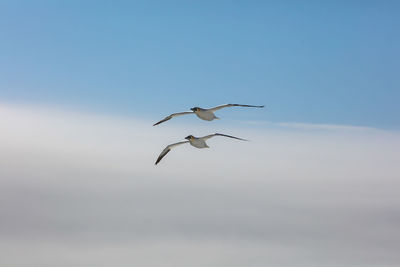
x: 334, y: 63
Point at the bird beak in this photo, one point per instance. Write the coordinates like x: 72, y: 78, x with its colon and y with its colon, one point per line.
x: 193, y: 109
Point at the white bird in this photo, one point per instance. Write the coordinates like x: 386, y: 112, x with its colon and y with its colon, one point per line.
x: 199, y: 142
x: 203, y: 113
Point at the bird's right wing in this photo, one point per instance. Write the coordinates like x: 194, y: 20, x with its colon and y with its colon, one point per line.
x: 218, y: 134
x: 168, y: 149
x: 233, y: 105
x: 173, y: 115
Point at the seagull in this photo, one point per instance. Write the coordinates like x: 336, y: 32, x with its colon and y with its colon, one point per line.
x: 199, y: 142
x: 204, y: 113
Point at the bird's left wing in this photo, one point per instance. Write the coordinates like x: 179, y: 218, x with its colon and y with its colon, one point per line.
x: 168, y: 149
x: 218, y: 134
x: 233, y: 105
x: 173, y: 115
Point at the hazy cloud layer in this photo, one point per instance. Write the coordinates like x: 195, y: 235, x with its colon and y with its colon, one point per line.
x: 82, y: 190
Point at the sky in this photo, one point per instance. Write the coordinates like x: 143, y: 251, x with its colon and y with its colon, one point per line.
x: 82, y: 83
x: 307, y: 62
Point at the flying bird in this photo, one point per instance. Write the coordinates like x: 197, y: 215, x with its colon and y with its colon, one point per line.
x: 199, y: 142
x: 204, y: 113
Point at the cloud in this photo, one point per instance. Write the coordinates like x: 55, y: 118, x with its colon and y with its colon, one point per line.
x: 81, y: 189
x: 313, y: 126
x: 329, y: 127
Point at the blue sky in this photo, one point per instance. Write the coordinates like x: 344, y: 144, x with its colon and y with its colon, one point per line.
x: 333, y: 63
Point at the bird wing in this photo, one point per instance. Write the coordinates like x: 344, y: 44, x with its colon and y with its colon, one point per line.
x: 168, y: 149
x: 173, y: 115
x: 218, y: 134
x: 233, y: 105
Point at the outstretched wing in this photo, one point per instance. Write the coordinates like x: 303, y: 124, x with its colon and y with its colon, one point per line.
x: 168, y: 149
x: 173, y: 115
x: 233, y: 105
x: 218, y: 134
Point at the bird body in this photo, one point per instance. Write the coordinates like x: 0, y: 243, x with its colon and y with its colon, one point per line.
x: 197, y: 142
x: 205, y: 114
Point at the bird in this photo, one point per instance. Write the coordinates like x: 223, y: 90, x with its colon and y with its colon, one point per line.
x: 204, y: 113
x: 198, y: 142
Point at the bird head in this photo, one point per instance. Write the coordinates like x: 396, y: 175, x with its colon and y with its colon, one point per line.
x: 195, y: 109
x: 189, y: 137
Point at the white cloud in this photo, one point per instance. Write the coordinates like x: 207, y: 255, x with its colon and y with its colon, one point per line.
x: 330, y: 127
x: 82, y: 190
x: 313, y: 126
